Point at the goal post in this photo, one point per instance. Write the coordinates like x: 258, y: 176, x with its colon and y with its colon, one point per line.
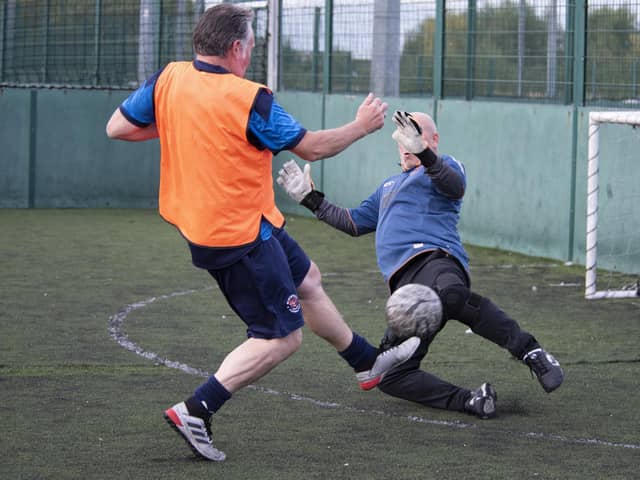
x: 631, y: 118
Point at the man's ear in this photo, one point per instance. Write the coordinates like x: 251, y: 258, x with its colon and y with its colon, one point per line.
x: 236, y: 47
x: 436, y: 139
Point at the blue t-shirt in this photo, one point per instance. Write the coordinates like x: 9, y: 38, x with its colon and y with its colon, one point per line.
x: 410, y: 216
x: 269, y: 126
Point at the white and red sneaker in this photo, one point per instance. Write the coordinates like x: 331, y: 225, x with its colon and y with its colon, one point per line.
x: 195, y: 431
x: 387, y: 360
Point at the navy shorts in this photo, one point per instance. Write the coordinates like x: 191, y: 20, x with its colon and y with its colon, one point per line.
x: 261, y: 286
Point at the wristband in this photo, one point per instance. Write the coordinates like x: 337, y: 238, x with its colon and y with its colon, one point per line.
x: 312, y: 200
x: 427, y: 157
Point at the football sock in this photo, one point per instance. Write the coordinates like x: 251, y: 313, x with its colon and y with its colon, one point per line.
x: 360, y: 354
x: 207, y: 399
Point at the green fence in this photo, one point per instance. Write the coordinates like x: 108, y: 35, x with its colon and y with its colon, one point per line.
x: 552, y: 51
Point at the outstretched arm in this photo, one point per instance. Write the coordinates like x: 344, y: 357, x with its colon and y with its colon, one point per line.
x: 321, y: 144
x: 300, y: 188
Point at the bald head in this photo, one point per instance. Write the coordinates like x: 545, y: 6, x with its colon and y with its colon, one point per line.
x: 427, y: 124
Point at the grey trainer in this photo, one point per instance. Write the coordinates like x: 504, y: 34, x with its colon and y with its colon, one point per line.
x: 387, y: 360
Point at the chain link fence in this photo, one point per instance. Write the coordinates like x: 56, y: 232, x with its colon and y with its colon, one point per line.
x: 522, y: 50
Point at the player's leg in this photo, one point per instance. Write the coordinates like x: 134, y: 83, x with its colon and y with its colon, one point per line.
x: 320, y: 313
x: 255, y: 358
x: 487, y: 320
x: 262, y: 292
x: 245, y: 364
x: 324, y: 319
x: 409, y: 382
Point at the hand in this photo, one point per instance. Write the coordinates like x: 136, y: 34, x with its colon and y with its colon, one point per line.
x: 371, y: 113
x: 408, y: 133
x: 296, y: 183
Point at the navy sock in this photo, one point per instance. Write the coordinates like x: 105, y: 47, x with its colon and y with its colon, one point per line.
x: 360, y: 354
x: 207, y: 399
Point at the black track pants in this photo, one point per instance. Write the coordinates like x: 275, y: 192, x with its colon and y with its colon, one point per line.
x: 441, y: 272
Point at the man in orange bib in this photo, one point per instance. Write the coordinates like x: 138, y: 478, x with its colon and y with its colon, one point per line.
x: 218, y: 133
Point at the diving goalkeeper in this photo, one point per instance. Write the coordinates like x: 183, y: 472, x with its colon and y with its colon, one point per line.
x: 415, y: 216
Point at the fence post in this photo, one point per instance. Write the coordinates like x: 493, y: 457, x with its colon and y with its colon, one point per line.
x: 579, y: 41
x: 316, y: 48
x: 568, y: 45
x: 45, y: 52
x: 385, y: 58
x: 522, y: 15
x: 149, y: 18
x: 328, y: 47
x: 579, y: 49
x: 31, y: 160
x: 273, y: 44
x: 471, y: 49
x: 552, y: 48
x: 2, y: 30
x: 96, y: 46
x: 438, y: 56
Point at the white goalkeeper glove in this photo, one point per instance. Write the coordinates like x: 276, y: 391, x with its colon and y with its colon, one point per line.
x: 408, y: 133
x: 296, y: 183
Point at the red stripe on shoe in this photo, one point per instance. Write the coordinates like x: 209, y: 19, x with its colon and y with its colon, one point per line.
x: 369, y: 384
x: 174, y: 417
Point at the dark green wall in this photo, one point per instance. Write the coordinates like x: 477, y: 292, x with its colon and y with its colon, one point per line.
x: 54, y: 152
x: 526, y: 177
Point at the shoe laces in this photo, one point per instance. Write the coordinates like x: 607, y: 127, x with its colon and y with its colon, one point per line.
x: 537, y: 363
x: 207, y: 427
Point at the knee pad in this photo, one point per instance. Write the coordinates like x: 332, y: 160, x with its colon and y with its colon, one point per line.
x: 460, y: 303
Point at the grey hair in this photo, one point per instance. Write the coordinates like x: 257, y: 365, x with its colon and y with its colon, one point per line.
x: 219, y: 27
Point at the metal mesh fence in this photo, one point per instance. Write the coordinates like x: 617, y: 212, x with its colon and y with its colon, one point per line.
x: 522, y: 50
x: 506, y: 49
x: 101, y: 43
x: 613, y: 52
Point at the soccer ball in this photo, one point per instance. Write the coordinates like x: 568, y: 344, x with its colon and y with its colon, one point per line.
x: 414, y: 310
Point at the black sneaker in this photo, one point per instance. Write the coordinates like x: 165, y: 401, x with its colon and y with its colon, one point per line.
x: 545, y: 367
x: 482, y: 401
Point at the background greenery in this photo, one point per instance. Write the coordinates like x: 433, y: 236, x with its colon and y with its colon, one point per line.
x: 80, y: 43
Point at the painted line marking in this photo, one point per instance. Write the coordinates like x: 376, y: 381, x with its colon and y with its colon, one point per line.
x: 116, y: 332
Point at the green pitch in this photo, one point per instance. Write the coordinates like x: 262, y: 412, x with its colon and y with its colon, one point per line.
x: 75, y: 404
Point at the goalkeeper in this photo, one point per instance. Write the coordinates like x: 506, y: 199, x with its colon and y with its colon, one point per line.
x: 415, y: 216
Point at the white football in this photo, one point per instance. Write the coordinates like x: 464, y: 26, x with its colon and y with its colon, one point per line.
x: 414, y: 310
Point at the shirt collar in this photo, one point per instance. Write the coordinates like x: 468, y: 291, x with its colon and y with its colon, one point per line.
x: 208, y: 67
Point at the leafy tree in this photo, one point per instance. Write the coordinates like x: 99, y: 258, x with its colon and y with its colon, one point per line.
x: 613, y: 54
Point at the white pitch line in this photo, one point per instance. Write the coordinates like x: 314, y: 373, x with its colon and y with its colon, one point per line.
x: 116, y: 332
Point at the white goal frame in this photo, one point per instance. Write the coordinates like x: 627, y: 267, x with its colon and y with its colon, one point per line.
x: 595, y: 119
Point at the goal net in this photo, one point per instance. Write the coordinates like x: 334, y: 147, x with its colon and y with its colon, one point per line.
x: 613, y: 196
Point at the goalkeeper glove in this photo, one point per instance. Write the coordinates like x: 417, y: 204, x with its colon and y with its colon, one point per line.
x: 299, y: 185
x: 408, y: 135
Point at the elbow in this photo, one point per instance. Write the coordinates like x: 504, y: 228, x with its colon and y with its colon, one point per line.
x: 456, y: 193
x: 309, y: 155
x: 312, y: 147
x: 110, y: 131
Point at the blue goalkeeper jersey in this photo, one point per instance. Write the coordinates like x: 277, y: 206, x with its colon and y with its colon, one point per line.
x: 411, y: 216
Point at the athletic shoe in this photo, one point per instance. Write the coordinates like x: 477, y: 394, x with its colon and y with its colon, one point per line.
x: 387, y: 360
x: 482, y: 401
x: 545, y: 367
x: 195, y: 431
